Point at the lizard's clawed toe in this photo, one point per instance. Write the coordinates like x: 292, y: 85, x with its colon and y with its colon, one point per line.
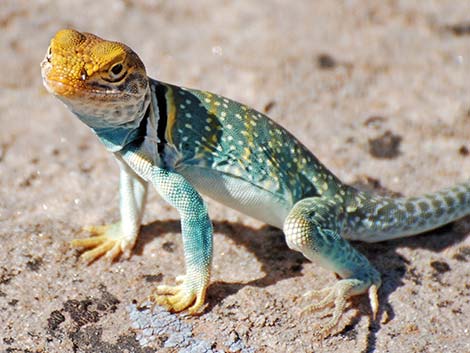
x: 337, y: 296
x: 329, y: 297
x: 180, y: 297
x: 108, y: 241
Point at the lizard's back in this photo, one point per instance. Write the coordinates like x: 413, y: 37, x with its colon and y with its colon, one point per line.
x: 239, y: 156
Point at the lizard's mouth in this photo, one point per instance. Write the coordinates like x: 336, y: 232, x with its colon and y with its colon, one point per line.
x: 58, y: 85
x: 57, y: 88
x: 64, y: 87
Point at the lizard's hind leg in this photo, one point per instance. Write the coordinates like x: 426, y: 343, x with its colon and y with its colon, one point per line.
x: 313, y: 227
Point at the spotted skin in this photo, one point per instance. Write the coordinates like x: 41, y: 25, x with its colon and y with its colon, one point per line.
x: 185, y: 142
x: 375, y: 218
x: 228, y: 137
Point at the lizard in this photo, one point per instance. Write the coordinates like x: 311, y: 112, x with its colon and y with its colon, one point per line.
x: 187, y: 143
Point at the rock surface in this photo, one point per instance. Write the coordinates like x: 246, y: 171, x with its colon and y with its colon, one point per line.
x: 380, y: 91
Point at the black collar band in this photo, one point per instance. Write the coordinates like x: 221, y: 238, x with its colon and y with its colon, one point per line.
x: 160, y: 92
x: 142, y: 129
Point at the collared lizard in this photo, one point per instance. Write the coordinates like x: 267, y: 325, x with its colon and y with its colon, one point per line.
x: 185, y: 142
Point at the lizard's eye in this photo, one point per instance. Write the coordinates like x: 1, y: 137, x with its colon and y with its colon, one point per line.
x: 116, y: 69
x: 116, y: 72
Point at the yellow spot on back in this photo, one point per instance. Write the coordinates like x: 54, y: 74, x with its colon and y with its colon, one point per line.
x: 171, y: 115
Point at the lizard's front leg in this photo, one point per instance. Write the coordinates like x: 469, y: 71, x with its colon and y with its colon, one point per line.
x: 196, y: 230
x: 113, y: 239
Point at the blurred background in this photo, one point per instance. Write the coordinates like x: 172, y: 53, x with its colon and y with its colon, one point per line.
x: 378, y: 90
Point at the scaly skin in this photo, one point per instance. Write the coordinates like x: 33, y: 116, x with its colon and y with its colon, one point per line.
x: 185, y: 142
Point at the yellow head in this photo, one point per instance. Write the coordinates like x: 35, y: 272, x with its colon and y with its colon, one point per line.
x: 102, y: 80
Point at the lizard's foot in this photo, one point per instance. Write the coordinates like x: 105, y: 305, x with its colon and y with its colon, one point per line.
x: 109, y: 241
x: 186, y: 295
x: 337, y: 296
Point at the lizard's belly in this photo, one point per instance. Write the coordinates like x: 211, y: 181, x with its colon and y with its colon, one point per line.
x: 239, y: 194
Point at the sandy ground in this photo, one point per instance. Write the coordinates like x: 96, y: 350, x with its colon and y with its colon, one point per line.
x: 380, y: 92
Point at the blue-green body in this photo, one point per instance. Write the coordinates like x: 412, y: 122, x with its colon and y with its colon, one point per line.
x: 240, y: 157
x: 191, y: 142
x: 212, y: 140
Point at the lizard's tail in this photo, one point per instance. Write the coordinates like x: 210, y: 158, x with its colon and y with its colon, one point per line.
x: 375, y: 218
